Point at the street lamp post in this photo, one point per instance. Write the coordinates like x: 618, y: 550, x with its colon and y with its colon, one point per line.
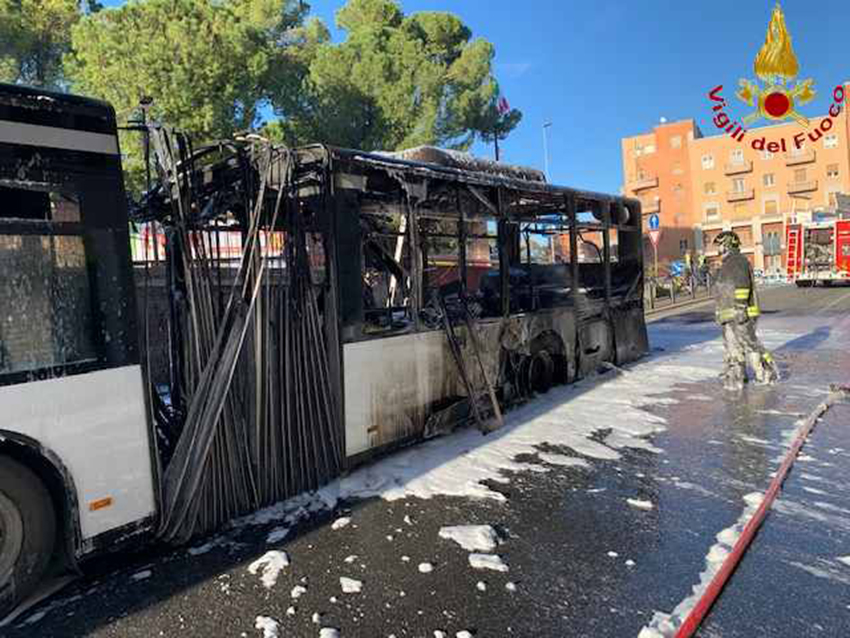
x: 546, y: 126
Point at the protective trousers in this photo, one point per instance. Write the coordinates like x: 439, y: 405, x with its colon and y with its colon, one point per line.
x: 742, y: 346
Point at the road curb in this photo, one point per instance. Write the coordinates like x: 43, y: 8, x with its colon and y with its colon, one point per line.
x: 654, y: 312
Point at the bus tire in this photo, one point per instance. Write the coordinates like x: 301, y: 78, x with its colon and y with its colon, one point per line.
x: 27, y: 533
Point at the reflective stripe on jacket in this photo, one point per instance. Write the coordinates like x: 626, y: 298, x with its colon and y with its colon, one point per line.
x: 735, y: 295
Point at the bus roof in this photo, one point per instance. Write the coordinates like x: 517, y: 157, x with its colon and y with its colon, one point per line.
x: 506, y: 178
x: 28, y: 105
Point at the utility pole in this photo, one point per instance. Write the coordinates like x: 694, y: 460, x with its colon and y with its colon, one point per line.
x: 546, y: 126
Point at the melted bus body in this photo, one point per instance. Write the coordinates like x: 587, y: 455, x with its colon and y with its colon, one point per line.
x: 305, y: 310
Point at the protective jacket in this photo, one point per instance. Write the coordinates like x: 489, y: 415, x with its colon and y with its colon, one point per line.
x: 735, y: 294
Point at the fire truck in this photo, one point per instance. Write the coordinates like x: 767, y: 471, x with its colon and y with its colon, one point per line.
x: 818, y: 251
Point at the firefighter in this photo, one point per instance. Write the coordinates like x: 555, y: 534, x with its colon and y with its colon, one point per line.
x: 737, y: 310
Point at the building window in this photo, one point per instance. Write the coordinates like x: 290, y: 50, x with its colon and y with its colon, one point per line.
x: 798, y: 151
x: 683, y: 246
x: 649, y: 148
x: 769, y: 179
x: 740, y: 211
x: 830, y: 141
x: 737, y: 156
x: 738, y: 185
x: 771, y: 243
x: 771, y: 207
x: 832, y: 171
x: 800, y: 175
x: 677, y: 169
x: 712, y: 212
x: 638, y: 149
x: 676, y: 141
x: 641, y: 174
x: 709, y: 188
x: 831, y: 199
x: 707, y: 161
x: 766, y: 155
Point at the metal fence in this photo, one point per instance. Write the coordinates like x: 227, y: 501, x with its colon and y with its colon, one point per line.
x: 666, y: 292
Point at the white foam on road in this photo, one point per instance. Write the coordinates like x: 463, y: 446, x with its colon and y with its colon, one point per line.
x: 663, y: 624
x: 277, y: 535
x: 562, y: 460
x: 482, y: 538
x: 142, y: 575
x: 341, y: 522
x: 487, y: 561
x: 350, y: 585
x: 272, y: 563
x: 426, y: 568
x: 640, y: 504
x: 269, y: 626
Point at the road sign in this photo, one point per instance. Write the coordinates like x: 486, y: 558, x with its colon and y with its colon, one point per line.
x: 654, y: 222
x: 654, y: 236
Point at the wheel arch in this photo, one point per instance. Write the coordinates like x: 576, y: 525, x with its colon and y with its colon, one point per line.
x: 50, y: 469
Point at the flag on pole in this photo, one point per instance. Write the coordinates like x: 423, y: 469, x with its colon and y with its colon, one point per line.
x: 502, y: 105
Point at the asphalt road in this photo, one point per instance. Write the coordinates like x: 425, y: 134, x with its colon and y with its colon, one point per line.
x: 582, y: 563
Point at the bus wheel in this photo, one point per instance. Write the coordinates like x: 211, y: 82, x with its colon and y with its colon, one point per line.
x: 27, y: 533
x: 541, y: 372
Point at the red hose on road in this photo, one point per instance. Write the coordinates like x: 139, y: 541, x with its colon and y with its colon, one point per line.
x: 699, y: 612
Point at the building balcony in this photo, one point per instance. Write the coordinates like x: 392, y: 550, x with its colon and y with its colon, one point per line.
x: 736, y: 168
x: 643, y: 184
x: 806, y: 157
x: 740, y: 196
x: 803, y: 187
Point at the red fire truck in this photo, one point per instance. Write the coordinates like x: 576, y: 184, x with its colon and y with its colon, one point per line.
x: 819, y: 250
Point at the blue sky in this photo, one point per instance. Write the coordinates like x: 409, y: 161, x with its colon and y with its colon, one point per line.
x: 603, y: 70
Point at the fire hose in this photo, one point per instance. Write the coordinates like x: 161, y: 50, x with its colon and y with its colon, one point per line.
x: 709, y: 596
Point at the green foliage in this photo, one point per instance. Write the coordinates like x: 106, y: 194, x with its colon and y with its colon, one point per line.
x: 398, y: 81
x: 34, y: 35
x: 209, y: 66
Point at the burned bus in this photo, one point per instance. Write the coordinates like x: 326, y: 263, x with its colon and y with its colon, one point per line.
x: 302, y: 310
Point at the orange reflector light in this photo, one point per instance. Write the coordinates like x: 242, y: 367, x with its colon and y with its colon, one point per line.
x: 100, y: 504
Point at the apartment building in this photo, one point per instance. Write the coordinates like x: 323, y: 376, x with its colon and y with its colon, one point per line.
x: 700, y: 186
x: 657, y: 171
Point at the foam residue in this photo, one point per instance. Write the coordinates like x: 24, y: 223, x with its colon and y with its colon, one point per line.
x: 488, y: 561
x: 664, y: 625
x: 350, y: 585
x: 272, y: 563
x: 562, y: 460
x: 269, y: 626
x: 426, y: 568
x: 277, y: 535
x: 639, y: 504
x: 340, y: 522
x: 329, y: 632
x: 826, y: 570
x: 142, y: 575
x: 482, y: 538
x: 844, y: 559
x: 298, y: 591
x: 566, y: 417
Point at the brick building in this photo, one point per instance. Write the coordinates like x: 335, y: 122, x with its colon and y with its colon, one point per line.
x: 700, y: 185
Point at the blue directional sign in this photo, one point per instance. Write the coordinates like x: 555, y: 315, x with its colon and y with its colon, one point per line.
x: 653, y: 221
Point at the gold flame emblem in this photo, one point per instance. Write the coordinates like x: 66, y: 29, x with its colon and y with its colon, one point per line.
x: 776, y: 65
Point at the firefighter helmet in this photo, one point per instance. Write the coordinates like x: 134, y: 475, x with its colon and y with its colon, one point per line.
x: 728, y: 240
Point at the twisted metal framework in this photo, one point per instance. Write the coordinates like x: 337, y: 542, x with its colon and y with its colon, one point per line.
x: 253, y: 416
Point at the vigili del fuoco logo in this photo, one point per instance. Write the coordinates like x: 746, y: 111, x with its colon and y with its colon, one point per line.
x: 778, y: 95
